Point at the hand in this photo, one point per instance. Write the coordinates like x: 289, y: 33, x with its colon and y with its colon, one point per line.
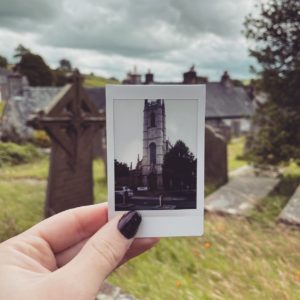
x: 69, y: 255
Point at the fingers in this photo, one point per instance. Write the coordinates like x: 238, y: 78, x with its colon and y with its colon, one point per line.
x: 70, y: 227
x: 67, y: 255
x: 103, y: 251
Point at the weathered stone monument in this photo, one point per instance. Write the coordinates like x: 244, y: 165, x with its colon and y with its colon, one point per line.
x: 71, y: 121
x: 215, y: 157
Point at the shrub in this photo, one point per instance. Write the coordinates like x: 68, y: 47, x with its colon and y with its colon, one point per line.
x: 14, y: 154
x: 41, y: 139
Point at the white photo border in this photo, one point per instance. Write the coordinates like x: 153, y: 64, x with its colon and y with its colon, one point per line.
x: 159, y: 223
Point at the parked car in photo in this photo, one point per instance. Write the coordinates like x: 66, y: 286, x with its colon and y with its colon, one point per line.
x: 123, y: 191
x: 142, y: 188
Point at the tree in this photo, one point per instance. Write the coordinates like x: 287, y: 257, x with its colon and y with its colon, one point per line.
x: 60, y: 78
x: 20, y: 51
x: 3, y: 62
x: 65, y: 65
x: 179, y: 167
x: 36, y: 70
x: 275, y: 31
x: 121, y: 169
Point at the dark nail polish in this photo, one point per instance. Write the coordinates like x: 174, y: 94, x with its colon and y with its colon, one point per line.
x: 129, y: 224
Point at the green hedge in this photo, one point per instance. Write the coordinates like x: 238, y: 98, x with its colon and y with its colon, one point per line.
x: 14, y: 154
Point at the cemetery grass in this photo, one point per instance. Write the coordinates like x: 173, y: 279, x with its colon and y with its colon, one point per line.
x: 22, y: 194
x: 252, y: 258
x: 235, y: 153
x: 1, y: 107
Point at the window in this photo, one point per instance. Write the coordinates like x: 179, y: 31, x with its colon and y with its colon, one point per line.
x: 152, y: 148
x: 152, y: 119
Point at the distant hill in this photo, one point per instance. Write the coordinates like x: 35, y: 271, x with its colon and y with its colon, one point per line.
x: 91, y: 81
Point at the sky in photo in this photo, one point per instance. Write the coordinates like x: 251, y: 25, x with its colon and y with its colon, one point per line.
x: 109, y: 37
x: 181, y: 123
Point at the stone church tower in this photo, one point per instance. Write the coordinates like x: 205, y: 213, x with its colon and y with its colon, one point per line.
x: 154, y: 143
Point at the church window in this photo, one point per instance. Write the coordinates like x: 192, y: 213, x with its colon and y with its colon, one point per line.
x: 152, y: 119
x: 152, y: 148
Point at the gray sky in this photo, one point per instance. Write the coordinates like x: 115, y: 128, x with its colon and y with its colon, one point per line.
x: 109, y: 37
x: 181, y: 123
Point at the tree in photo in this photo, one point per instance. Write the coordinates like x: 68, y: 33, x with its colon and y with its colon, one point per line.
x: 274, y: 32
x: 179, y: 168
x: 121, y: 169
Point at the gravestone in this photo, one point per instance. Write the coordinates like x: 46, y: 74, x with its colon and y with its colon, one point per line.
x: 240, y: 194
x: 215, y: 157
x: 71, y: 121
x: 291, y: 212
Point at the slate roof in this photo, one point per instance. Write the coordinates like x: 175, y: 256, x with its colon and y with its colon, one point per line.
x: 222, y: 102
x: 4, y: 72
x: 18, y: 109
x: 98, y: 96
x: 227, y: 102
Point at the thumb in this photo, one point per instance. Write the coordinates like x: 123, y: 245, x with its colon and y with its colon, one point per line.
x: 103, y: 251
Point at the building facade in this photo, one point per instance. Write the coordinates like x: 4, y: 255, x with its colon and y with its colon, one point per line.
x: 12, y: 84
x: 154, y: 143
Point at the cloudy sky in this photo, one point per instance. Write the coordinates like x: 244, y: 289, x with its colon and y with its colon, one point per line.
x: 181, y: 123
x: 109, y: 37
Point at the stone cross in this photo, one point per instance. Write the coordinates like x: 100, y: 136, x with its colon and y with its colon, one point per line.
x: 71, y: 121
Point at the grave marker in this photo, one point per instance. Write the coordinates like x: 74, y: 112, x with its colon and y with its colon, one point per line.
x: 71, y: 121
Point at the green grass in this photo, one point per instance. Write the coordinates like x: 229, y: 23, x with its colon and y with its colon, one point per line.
x: 21, y: 206
x: 22, y: 194
x: 14, y: 154
x: 2, y: 103
x: 235, y: 153
x: 270, y: 207
x: 100, y: 186
x: 91, y: 81
x: 237, y: 258
x: 35, y: 170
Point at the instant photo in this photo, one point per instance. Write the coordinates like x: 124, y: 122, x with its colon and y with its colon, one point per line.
x: 155, y: 156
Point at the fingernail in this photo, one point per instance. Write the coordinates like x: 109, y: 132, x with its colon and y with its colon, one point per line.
x: 129, y: 224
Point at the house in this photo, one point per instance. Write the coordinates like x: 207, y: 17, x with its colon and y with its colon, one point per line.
x: 31, y: 100
x: 228, y: 107
x: 11, y: 84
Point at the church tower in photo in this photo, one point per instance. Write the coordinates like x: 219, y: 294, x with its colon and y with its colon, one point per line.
x: 154, y: 143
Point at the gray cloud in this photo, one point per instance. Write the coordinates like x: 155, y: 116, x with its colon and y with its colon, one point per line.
x: 143, y: 28
x: 30, y: 14
x: 167, y: 35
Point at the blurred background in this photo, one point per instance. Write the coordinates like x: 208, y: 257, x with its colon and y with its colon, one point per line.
x: 246, y: 52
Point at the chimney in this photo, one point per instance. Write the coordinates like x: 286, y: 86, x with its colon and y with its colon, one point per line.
x: 135, y: 77
x: 225, y: 79
x: 149, y: 77
x: 190, y: 77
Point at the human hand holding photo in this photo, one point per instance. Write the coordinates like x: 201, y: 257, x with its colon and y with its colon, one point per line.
x: 69, y: 255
